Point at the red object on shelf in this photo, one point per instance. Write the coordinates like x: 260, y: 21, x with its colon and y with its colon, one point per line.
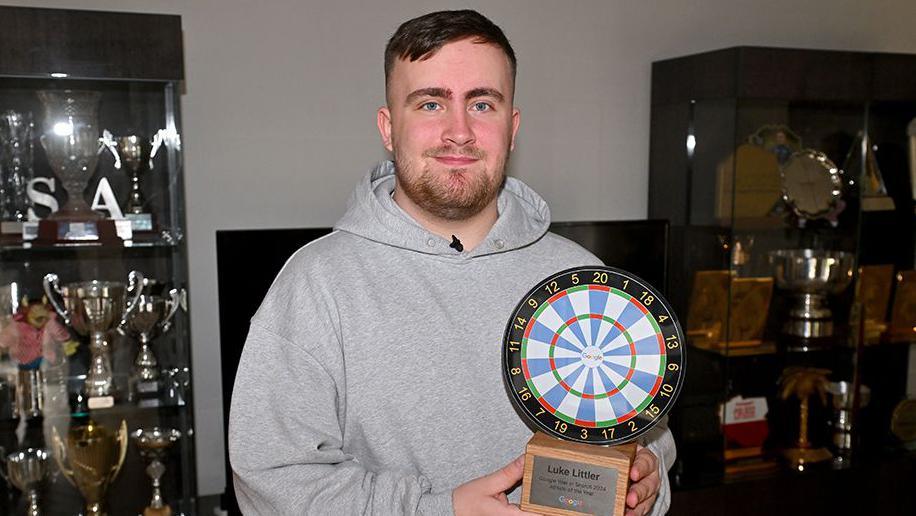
x: 745, y: 421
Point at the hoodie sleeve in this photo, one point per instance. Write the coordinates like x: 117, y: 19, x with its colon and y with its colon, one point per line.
x: 285, y: 442
x: 287, y: 415
x: 660, y: 441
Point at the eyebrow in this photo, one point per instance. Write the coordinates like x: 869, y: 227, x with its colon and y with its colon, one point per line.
x: 445, y: 93
x: 484, y: 92
x: 428, y: 92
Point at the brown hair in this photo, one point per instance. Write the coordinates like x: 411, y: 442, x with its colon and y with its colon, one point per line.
x: 421, y: 37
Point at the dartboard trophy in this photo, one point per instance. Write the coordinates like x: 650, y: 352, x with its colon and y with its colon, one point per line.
x: 593, y: 357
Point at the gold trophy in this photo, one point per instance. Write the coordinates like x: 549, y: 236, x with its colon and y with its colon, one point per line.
x: 803, y: 382
x: 95, y: 455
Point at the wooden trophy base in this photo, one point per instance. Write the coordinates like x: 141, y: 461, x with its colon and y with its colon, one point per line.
x: 564, y: 478
x: 104, y: 231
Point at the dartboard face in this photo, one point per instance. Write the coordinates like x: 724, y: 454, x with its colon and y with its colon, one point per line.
x: 593, y: 354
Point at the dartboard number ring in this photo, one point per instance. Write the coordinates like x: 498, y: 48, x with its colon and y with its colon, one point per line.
x: 593, y: 354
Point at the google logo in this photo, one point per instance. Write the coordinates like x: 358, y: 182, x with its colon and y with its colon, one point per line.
x: 572, y: 502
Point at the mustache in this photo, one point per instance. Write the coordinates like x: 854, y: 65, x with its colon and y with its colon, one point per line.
x: 447, y: 150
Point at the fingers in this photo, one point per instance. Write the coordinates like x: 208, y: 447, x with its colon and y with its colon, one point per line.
x: 486, y: 495
x: 506, y: 477
x: 642, y: 508
x: 644, y: 465
x: 500, y: 480
x: 644, y: 490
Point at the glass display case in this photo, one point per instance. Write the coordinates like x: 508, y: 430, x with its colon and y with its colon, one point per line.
x: 787, y: 176
x: 95, y: 396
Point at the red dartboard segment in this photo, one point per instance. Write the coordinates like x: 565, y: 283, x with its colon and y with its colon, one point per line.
x: 593, y: 354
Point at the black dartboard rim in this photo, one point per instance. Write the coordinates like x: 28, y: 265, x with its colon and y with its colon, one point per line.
x: 627, y: 360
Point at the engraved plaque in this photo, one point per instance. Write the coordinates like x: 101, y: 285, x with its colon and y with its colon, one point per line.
x: 573, y: 486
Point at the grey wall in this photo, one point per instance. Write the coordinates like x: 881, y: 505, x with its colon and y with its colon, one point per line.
x: 281, y: 97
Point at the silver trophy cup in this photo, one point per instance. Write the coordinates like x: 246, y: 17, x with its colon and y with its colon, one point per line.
x: 72, y: 144
x: 28, y: 470
x: 843, y: 406
x: 151, y: 317
x: 811, y: 275
x: 16, y: 164
x: 154, y: 444
x: 136, y: 152
x: 94, y: 308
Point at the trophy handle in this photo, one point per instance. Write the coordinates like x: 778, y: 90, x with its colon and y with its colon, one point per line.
x: 60, y: 455
x: 51, y: 285
x: 157, y: 141
x: 134, y: 290
x: 107, y: 142
x: 173, y: 303
x: 122, y: 441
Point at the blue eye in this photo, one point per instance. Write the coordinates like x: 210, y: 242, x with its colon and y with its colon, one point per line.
x: 480, y: 106
x: 429, y: 106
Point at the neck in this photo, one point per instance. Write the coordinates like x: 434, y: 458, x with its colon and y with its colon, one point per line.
x: 470, y: 231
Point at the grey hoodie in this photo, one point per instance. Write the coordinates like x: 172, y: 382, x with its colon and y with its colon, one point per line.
x: 370, y: 382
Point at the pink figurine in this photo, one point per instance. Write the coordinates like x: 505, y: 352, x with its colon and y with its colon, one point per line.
x: 33, y: 334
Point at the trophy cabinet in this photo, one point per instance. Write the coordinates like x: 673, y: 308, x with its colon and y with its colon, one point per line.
x: 787, y: 178
x: 95, y: 393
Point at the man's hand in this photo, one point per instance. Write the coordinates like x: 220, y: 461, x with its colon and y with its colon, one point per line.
x: 644, y: 483
x: 487, y: 495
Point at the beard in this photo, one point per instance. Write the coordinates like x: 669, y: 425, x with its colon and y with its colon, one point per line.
x: 460, y: 194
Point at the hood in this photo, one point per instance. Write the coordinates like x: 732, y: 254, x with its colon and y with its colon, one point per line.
x: 373, y: 214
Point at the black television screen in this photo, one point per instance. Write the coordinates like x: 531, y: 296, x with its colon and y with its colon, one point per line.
x: 636, y: 246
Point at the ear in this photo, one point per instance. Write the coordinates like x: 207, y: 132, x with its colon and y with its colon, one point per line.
x: 516, y: 118
x: 384, y: 127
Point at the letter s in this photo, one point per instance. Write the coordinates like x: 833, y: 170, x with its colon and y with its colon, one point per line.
x: 41, y: 198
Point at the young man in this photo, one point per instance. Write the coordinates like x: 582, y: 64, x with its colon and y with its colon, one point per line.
x: 370, y: 382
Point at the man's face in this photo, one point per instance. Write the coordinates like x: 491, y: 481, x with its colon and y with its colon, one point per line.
x: 450, y: 124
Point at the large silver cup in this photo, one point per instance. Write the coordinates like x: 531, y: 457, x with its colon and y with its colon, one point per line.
x: 153, y: 444
x: 27, y: 470
x: 94, y: 308
x: 72, y: 144
x: 151, y: 317
x: 810, y: 275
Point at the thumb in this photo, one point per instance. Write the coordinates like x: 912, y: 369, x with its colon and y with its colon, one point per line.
x: 502, y: 479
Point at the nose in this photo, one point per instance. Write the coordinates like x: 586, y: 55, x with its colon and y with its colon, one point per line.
x: 458, y: 129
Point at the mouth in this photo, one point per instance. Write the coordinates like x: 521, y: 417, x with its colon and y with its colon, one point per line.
x: 455, y: 161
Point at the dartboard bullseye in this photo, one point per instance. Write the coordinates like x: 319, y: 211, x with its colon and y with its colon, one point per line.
x: 593, y: 354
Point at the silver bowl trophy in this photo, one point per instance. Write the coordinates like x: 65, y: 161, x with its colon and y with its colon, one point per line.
x: 811, y: 275
x: 16, y: 167
x: 154, y: 444
x: 72, y: 143
x: 134, y: 152
x: 94, y: 308
x: 28, y: 470
x: 150, y: 317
